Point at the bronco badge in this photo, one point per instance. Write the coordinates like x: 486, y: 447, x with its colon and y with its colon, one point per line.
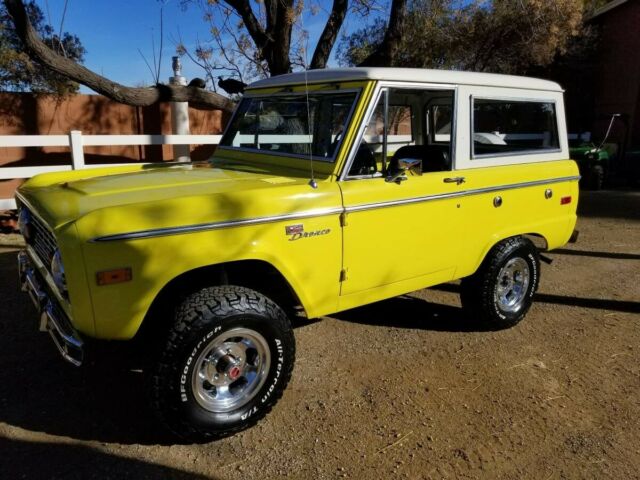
x: 296, y: 232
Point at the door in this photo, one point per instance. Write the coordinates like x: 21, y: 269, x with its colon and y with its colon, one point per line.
x: 405, y: 234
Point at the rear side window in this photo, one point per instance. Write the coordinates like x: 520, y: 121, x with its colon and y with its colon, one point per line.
x: 513, y: 127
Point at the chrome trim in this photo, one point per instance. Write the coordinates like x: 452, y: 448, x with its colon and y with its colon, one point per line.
x: 41, y: 268
x: 515, y: 153
x: 64, y: 336
x: 157, y: 232
x: 34, y: 212
x: 52, y: 318
x: 463, y: 193
x: 373, y: 103
x: 23, y: 264
x: 30, y: 283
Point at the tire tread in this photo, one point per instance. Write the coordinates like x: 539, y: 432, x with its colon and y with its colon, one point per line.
x: 195, y: 313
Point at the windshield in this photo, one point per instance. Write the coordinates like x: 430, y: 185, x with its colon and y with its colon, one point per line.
x: 281, y: 124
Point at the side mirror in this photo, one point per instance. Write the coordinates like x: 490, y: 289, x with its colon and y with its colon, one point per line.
x: 413, y: 165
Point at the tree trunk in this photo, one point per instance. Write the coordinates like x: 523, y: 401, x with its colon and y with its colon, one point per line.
x: 329, y: 34
x: 384, y: 55
x: 140, y: 97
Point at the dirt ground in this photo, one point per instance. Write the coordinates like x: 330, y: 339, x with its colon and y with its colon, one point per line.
x: 405, y: 388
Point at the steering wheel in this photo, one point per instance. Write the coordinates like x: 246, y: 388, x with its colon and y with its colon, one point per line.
x: 364, y: 162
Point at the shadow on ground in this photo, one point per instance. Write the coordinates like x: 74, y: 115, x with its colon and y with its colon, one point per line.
x: 595, y: 303
x: 43, y: 460
x: 610, y: 204
x: 103, y: 401
x: 587, y: 253
x: 411, y: 312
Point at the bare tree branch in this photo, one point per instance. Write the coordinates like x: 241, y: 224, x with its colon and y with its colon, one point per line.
x: 329, y: 34
x: 36, y: 49
x: 251, y: 23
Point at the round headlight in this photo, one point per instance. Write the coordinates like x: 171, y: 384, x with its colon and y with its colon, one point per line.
x: 24, y: 224
x: 57, y: 272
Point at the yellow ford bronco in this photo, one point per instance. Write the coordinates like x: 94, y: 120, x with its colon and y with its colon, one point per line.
x: 330, y: 189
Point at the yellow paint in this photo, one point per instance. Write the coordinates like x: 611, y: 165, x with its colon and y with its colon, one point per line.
x: 384, y: 251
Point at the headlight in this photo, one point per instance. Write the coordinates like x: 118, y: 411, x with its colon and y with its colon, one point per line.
x: 57, y: 272
x: 24, y: 224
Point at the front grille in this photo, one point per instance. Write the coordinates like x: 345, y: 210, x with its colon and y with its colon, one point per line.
x: 42, y: 240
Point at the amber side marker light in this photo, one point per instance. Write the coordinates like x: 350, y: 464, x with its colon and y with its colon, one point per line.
x: 565, y: 200
x: 109, y: 277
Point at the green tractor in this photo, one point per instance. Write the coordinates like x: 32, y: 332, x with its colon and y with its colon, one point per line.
x: 593, y: 161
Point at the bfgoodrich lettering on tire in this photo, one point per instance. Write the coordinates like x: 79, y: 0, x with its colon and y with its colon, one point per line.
x: 227, y: 360
x: 501, y: 291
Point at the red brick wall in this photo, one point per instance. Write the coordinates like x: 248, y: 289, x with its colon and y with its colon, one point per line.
x: 617, y: 71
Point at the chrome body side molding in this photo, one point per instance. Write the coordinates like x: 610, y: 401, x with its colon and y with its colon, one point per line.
x: 462, y: 193
x: 158, y: 232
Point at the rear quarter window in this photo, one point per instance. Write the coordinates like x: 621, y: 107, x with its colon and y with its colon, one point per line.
x: 513, y: 127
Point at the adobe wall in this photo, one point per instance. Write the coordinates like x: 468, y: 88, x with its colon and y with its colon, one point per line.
x: 26, y: 114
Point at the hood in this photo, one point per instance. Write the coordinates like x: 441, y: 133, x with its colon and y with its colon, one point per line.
x: 64, y: 197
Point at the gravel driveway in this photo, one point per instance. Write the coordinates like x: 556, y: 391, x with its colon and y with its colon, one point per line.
x: 405, y: 388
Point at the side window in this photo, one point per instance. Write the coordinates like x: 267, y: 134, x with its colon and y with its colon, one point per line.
x: 513, y: 127
x: 400, y: 127
x: 370, y: 150
x: 440, y: 118
x: 397, y: 130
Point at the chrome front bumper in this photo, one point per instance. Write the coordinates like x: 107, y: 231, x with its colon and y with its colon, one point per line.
x: 52, y: 317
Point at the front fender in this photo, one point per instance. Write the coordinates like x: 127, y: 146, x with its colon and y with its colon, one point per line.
x: 311, y: 265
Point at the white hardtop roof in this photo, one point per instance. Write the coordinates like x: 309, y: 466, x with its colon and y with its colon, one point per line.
x: 418, y: 75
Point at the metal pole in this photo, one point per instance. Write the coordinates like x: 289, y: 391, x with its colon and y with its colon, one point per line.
x: 179, y: 114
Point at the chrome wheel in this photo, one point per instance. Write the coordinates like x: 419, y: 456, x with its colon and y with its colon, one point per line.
x: 231, y: 370
x: 512, y: 286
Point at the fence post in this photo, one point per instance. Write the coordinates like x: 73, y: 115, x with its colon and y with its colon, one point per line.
x: 179, y: 115
x: 77, y: 150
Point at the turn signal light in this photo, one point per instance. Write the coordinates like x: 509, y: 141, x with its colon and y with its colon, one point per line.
x: 565, y: 200
x: 110, y: 277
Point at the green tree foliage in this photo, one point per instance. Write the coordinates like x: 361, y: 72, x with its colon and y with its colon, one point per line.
x: 19, y: 72
x: 491, y: 36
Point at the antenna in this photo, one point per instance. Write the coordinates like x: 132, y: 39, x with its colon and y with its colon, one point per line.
x: 312, y: 180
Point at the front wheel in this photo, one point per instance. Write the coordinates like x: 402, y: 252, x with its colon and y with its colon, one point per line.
x: 227, y: 361
x: 500, y: 293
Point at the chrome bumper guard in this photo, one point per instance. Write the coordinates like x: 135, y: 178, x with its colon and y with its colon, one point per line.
x: 52, y: 318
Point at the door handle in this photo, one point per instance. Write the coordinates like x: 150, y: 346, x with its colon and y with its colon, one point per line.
x: 456, y: 180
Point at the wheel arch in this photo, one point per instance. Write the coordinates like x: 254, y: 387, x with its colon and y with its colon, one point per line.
x: 538, y: 239
x: 258, y: 275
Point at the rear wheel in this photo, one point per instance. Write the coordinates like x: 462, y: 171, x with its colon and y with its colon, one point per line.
x: 500, y: 293
x: 227, y: 361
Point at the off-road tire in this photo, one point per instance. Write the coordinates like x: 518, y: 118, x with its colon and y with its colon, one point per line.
x: 201, y: 317
x: 479, y: 291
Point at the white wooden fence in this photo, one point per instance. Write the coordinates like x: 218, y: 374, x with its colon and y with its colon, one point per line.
x: 76, y: 142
